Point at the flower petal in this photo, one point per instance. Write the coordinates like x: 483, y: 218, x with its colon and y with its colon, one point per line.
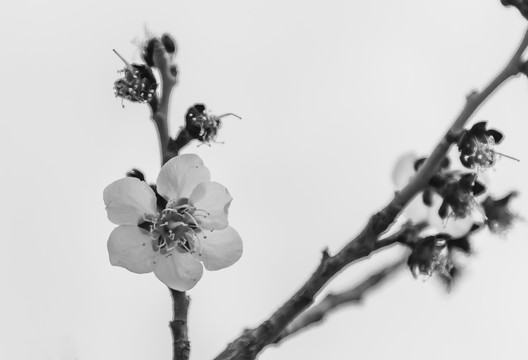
x: 219, y: 249
x: 130, y: 247
x: 416, y: 211
x: 127, y: 200
x: 178, y: 270
x: 211, y: 201
x: 454, y: 227
x: 180, y: 175
x: 403, y: 170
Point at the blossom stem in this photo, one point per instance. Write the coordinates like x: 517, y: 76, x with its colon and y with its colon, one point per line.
x: 160, y: 114
x: 248, y: 345
x: 180, y: 342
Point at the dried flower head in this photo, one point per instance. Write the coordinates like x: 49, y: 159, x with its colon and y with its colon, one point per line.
x: 138, y: 83
x: 459, y: 196
x: 499, y: 216
x: 430, y: 255
x: 477, y: 144
x: 202, y: 125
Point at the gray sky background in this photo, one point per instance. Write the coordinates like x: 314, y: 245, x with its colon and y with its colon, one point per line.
x: 331, y: 93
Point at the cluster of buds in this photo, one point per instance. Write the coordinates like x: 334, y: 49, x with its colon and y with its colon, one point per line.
x: 165, y: 43
x: 458, y: 190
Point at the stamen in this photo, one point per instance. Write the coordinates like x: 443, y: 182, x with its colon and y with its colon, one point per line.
x: 507, y: 156
x: 229, y: 114
x: 129, y: 67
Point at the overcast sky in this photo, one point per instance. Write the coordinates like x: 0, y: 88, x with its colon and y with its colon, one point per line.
x: 330, y: 93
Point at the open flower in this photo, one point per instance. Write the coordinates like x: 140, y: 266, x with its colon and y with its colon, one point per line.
x: 500, y: 217
x: 172, y: 241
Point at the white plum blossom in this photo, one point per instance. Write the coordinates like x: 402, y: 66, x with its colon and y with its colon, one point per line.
x: 173, y: 242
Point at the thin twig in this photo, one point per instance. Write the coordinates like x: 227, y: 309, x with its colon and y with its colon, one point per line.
x: 252, y: 341
x: 331, y: 302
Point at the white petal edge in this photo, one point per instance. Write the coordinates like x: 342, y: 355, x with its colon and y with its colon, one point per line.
x: 179, y: 271
x: 219, y: 249
x: 127, y: 200
x: 180, y: 175
x: 403, y: 170
x: 211, y: 201
x: 130, y: 247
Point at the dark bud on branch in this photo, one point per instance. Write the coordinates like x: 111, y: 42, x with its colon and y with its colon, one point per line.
x: 169, y: 43
x: 148, y: 51
x: 135, y: 173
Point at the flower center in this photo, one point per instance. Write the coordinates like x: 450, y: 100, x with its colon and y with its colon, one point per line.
x: 175, y: 228
x: 484, y: 154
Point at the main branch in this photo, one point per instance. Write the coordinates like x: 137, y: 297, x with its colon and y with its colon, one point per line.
x: 252, y: 341
x: 331, y: 302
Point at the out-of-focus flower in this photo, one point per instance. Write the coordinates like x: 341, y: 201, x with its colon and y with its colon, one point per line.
x: 459, y: 196
x: 477, y: 144
x: 499, y: 216
x: 425, y: 207
x: 138, y: 83
x: 201, y: 124
x: 173, y: 241
x: 430, y: 255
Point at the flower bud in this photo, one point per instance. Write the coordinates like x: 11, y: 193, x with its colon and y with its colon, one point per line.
x: 138, y: 174
x: 169, y: 43
x: 148, y: 51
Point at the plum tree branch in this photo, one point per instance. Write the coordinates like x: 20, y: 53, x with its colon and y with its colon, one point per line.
x: 251, y: 342
x: 332, y: 302
x: 521, y: 5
